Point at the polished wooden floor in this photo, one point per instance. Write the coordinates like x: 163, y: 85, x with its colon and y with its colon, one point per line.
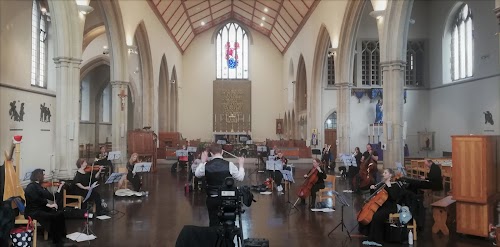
x: 156, y: 220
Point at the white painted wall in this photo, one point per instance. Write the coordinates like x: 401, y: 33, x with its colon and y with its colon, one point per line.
x: 15, y: 70
x: 330, y: 14
x: 133, y: 12
x: 456, y: 108
x: 265, y: 65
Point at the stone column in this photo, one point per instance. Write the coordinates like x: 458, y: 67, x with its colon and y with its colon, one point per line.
x: 393, y: 74
x: 119, y: 109
x: 344, y: 118
x: 67, y: 115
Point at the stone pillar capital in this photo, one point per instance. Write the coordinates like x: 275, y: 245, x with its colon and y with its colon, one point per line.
x: 393, y: 65
x: 497, y: 12
x: 344, y: 85
x: 68, y: 60
x: 118, y: 83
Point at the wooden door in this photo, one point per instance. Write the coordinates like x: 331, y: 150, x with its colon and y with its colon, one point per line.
x: 331, y: 139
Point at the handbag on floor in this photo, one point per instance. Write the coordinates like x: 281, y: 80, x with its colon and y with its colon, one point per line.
x: 22, y: 236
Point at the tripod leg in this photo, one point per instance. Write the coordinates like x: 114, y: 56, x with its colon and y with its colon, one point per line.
x: 337, y: 226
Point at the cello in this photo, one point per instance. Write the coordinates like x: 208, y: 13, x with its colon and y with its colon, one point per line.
x: 366, y: 177
x: 305, y: 190
x: 374, y: 202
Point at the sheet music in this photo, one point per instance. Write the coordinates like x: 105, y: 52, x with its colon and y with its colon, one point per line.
x: 114, y: 155
x: 348, y: 160
x: 192, y: 149
x: 114, y: 177
x: 88, y: 194
x: 181, y: 153
x: 287, y: 175
x: 274, y: 165
x: 142, y: 167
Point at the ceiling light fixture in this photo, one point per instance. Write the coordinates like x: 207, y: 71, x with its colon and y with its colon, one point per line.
x: 265, y: 10
x: 203, y: 23
x: 261, y: 24
x: 263, y: 18
x: 84, y: 9
x: 377, y: 14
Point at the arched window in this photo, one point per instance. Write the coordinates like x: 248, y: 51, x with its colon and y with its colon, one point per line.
x: 39, y: 27
x: 85, y: 100
x: 461, y: 44
x: 106, y: 104
x: 232, y: 52
x: 331, y: 66
x: 331, y: 121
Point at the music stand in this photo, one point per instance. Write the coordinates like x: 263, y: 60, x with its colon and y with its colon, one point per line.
x: 261, y: 150
x: 221, y: 142
x: 113, y: 178
x: 316, y: 152
x: 288, y: 176
x: 192, y: 149
x: 344, y: 202
x: 142, y: 167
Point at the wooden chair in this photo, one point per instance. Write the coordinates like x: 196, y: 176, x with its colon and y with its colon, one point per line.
x: 327, y: 189
x: 411, y: 225
x: 73, y: 203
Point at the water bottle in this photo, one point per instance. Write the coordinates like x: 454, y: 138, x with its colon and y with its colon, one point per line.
x: 410, y: 238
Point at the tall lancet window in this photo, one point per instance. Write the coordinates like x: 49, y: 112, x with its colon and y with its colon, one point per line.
x: 38, y: 45
x: 232, y: 52
x: 462, y: 44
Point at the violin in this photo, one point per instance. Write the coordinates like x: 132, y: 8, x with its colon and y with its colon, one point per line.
x: 95, y: 169
x: 47, y: 184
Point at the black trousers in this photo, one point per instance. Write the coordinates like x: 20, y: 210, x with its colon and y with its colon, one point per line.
x: 375, y: 230
x: 135, y: 180
x: 315, y: 188
x: 54, y: 222
x: 213, y: 206
x: 353, y: 171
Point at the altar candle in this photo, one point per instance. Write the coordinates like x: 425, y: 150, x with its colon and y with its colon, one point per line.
x: 373, y: 130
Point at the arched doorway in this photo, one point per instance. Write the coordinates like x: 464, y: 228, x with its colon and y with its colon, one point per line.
x: 331, y: 132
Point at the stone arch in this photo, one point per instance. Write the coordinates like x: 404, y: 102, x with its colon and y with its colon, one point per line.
x: 318, y: 80
x: 115, y: 33
x: 92, y: 34
x: 93, y: 63
x: 163, y: 96
x: 144, y: 52
x: 242, y: 25
x: 174, y: 113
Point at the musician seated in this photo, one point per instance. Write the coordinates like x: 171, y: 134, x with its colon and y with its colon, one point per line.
x: 325, y: 155
x: 195, y: 165
x: 320, y: 184
x: 375, y: 229
x: 434, y: 177
x: 278, y: 176
x: 39, y: 208
x: 101, y: 159
x: 83, y: 182
x: 183, y: 160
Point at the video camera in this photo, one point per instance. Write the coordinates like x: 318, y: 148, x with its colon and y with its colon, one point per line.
x: 230, y: 197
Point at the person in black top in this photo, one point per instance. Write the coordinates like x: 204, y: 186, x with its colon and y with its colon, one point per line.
x: 39, y: 208
x: 101, y: 159
x: 325, y: 155
x: 215, y: 172
x: 375, y: 229
x: 320, y: 184
x: 434, y: 176
x: 83, y: 182
x: 374, y: 156
x: 132, y: 177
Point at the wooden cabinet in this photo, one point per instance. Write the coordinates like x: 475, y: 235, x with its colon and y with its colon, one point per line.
x: 475, y: 177
x: 144, y: 144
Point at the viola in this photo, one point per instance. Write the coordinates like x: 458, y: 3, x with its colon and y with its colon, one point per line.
x: 305, y: 190
x: 47, y: 184
x: 95, y: 169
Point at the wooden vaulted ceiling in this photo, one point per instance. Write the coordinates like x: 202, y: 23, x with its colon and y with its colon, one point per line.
x: 280, y: 20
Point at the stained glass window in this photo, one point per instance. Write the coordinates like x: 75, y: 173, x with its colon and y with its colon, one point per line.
x: 232, y: 52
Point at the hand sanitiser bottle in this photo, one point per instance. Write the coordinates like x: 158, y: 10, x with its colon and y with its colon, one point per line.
x: 410, y: 238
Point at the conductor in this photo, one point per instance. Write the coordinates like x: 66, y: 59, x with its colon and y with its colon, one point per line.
x: 215, y: 172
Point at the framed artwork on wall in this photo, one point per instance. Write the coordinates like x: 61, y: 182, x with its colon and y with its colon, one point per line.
x: 426, y: 141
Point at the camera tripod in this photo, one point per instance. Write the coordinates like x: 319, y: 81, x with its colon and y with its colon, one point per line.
x: 227, y: 232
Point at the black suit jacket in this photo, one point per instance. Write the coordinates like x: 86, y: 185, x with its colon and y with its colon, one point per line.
x: 435, y: 178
